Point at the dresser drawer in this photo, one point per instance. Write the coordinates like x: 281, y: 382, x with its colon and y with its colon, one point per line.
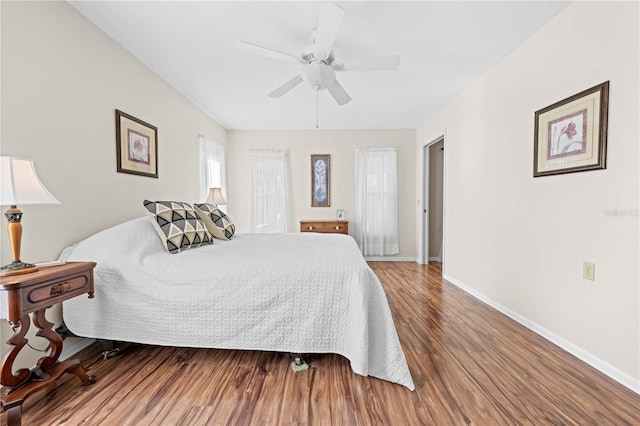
x: 52, y: 292
x: 323, y: 226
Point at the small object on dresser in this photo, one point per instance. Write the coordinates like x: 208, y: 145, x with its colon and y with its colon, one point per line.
x: 45, y: 263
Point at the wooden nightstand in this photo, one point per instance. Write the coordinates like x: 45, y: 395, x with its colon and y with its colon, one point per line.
x: 325, y: 226
x: 21, y: 295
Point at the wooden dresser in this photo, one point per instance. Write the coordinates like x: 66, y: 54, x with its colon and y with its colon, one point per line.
x: 325, y: 226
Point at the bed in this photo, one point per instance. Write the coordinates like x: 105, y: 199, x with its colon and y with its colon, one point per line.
x: 291, y: 293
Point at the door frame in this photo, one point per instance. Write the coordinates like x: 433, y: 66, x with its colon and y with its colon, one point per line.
x: 423, y: 223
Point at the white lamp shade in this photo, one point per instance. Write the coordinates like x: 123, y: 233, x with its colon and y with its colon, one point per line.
x: 19, y: 183
x: 215, y: 197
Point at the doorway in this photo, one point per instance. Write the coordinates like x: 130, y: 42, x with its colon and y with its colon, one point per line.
x: 432, y: 208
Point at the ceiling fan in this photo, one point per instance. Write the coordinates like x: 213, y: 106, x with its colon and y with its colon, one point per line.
x: 317, y: 60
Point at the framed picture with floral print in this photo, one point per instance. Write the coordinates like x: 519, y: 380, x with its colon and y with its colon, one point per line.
x: 136, y: 146
x: 320, y: 180
x: 571, y: 135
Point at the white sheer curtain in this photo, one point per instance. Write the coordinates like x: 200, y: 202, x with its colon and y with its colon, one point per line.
x: 212, y: 167
x: 377, y: 201
x: 269, y: 191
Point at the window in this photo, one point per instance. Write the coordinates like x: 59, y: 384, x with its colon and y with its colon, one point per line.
x: 269, y: 191
x: 376, y: 201
x: 212, y: 167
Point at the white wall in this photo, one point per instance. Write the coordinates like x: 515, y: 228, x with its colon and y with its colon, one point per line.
x: 519, y: 241
x: 341, y: 144
x: 62, y: 79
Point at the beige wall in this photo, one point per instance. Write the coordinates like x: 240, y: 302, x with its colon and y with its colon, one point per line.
x: 62, y: 80
x: 520, y: 241
x: 341, y: 144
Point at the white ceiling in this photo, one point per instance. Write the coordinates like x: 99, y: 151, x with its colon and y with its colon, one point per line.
x: 444, y: 47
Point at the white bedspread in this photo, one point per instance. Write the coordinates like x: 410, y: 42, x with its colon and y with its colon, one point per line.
x: 298, y: 292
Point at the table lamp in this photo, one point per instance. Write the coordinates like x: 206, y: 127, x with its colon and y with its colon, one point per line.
x: 19, y: 184
x: 215, y: 197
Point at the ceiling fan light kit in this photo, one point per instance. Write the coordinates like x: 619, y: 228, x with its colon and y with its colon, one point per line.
x: 318, y: 75
x: 318, y: 61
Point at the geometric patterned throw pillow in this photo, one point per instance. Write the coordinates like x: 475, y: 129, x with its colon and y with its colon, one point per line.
x: 178, y: 225
x: 216, y: 221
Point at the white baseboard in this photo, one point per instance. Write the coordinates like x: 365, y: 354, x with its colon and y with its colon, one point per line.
x: 70, y: 351
x: 435, y: 259
x: 604, y: 367
x: 389, y: 259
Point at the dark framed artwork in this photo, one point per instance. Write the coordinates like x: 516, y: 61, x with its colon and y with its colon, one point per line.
x: 320, y: 180
x: 571, y: 135
x: 136, y: 146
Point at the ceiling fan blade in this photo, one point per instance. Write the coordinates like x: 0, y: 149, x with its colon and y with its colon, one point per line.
x: 286, y: 87
x: 376, y: 63
x: 269, y: 53
x: 339, y: 94
x: 328, y: 25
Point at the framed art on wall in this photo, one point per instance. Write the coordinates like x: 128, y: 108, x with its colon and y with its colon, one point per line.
x: 571, y: 135
x: 320, y: 180
x: 136, y: 146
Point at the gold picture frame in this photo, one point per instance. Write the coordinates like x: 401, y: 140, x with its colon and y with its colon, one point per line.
x: 136, y: 146
x: 571, y: 135
x: 320, y: 180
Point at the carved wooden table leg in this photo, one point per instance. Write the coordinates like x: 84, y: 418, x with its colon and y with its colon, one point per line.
x: 7, y: 378
x: 79, y: 371
x: 14, y: 415
x: 47, y: 362
x: 18, y: 386
x: 17, y: 342
x: 46, y: 330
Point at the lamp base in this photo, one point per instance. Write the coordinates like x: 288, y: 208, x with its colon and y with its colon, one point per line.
x: 17, y: 267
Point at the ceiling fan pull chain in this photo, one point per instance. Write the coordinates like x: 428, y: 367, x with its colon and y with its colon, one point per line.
x: 317, y: 109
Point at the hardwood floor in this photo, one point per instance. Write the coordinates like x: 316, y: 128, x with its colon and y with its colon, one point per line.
x: 470, y: 365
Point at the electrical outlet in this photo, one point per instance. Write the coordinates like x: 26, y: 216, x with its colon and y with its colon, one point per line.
x: 589, y: 271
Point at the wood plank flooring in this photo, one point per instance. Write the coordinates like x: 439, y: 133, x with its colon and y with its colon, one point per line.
x: 470, y: 365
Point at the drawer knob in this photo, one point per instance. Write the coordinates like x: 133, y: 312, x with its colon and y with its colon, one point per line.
x: 337, y: 228
x: 60, y: 288
x: 310, y: 228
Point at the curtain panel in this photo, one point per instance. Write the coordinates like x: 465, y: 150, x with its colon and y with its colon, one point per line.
x: 269, y: 203
x: 376, y: 226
